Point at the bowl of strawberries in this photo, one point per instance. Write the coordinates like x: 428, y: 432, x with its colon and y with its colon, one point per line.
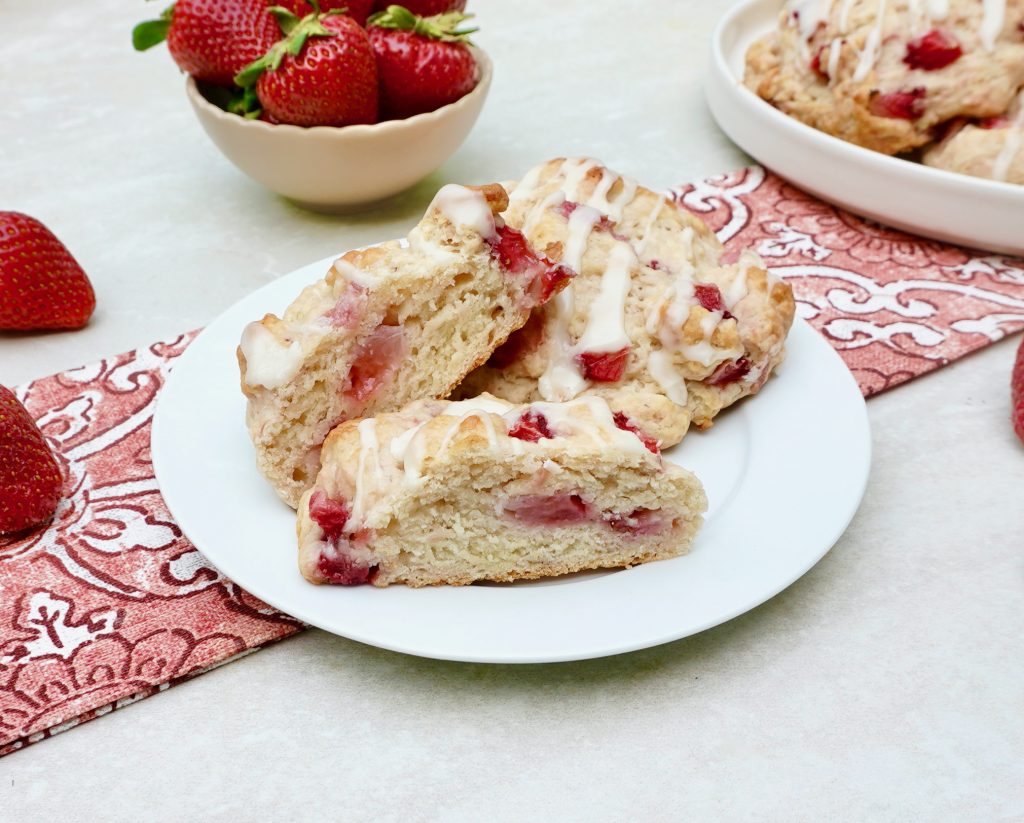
x: 334, y: 104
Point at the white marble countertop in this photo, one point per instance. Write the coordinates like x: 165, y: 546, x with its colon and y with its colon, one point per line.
x: 887, y: 684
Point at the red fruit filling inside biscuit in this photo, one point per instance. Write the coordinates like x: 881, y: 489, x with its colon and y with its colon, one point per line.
x: 520, y: 343
x: 816, y: 66
x: 570, y: 509
x: 532, y: 426
x: 639, y: 521
x: 545, y: 277
x: 710, y: 297
x: 603, y: 367
x: 339, y: 562
x: 376, y: 361
x: 998, y: 122
x: 626, y: 424
x: 934, y: 50
x: 729, y: 372
x: 549, y: 510
x: 903, y: 105
x: 346, y: 313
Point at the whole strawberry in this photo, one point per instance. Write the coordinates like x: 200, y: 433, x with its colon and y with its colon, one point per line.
x: 30, y: 479
x: 41, y: 284
x: 212, y: 40
x: 358, y: 10
x: 425, y: 8
x: 322, y: 73
x: 1017, y: 393
x: 423, y: 63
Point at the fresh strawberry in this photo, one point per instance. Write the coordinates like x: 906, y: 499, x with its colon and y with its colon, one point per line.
x: 41, y: 284
x: 358, y: 10
x: 212, y: 40
x: 604, y: 367
x: 30, y: 479
x: 1017, y: 392
x: 425, y: 8
x: 904, y: 105
x: 934, y: 50
x: 423, y: 63
x: 322, y: 73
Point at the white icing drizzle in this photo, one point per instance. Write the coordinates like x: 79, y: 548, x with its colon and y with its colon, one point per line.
x: 938, y: 9
x: 605, y: 330
x: 465, y: 207
x: 739, y: 288
x: 992, y: 18
x: 564, y: 420
x: 1012, y: 143
x: 652, y: 218
x: 354, y: 274
x: 664, y: 372
x: 844, y: 16
x: 581, y: 224
x: 561, y: 379
x: 368, y: 449
x: 869, y: 56
x: 574, y: 171
x: 809, y: 14
x: 525, y: 187
x: 613, y: 208
x: 556, y: 198
x: 835, y: 50
x: 268, y: 362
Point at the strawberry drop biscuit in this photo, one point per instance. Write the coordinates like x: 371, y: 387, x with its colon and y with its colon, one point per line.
x: 992, y: 148
x: 453, y: 492
x: 883, y: 73
x: 653, y: 323
x: 388, y: 325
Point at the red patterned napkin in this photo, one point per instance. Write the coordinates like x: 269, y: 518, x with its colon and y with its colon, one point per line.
x: 111, y: 603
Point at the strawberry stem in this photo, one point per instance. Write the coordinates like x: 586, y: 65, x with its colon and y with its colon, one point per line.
x: 150, y: 32
x: 296, y: 32
x: 444, y: 27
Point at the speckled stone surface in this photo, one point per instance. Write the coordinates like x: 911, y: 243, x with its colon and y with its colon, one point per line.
x: 887, y: 684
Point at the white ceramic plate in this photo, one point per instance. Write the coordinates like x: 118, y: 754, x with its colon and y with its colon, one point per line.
x: 910, y: 196
x: 784, y: 475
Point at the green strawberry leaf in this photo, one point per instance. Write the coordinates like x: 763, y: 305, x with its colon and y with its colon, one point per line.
x: 445, y: 27
x: 151, y: 32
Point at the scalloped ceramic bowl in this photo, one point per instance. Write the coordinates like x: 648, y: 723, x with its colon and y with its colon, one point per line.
x: 328, y: 168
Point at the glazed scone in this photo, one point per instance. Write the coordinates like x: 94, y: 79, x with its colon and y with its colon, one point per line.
x: 454, y: 492
x: 652, y: 322
x: 884, y: 73
x: 387, y: 325
x: 992, y: 148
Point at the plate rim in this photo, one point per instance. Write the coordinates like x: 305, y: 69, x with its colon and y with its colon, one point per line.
x: 724, y: 80
x: 170, y: 495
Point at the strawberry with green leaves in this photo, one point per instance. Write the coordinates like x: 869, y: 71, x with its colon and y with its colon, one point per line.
x: 358, y: 10
x: 425, y: 8
x: 212, y: 40
x: 31, y: 483
x: 423, y: 63
x: 322, y: 73
x: 41, y: 284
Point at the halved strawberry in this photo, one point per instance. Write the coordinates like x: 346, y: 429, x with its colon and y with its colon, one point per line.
x: 932, y: 51
x: 30, y: 479
x: 41, y: 284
